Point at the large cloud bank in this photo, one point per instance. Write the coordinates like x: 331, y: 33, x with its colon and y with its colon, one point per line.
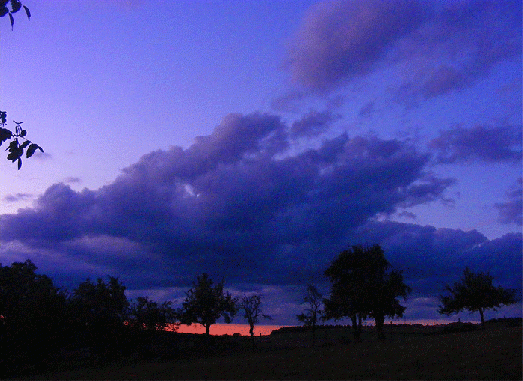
x: 237, y: 204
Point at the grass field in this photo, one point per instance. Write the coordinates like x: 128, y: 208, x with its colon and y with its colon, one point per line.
x: 408, y: 353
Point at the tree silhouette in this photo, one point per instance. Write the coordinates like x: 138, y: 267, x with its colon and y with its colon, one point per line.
x: 99, y: 311
x: 31, y: 317
x: 363, y: 285
x: 206, y: 303
x: 148, y: 315
x: 251, y: 306
x: 475, y: 292
x: 313, y: 313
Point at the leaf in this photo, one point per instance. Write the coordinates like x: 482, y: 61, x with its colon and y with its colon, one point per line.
x: 5, y: 134
x: 12, y: 20
x: 27, y: 12
x: 15, y: 5
x: 32, y: 149
x: 23, y: 133
x: 19, y: 163
x: 3, y: 11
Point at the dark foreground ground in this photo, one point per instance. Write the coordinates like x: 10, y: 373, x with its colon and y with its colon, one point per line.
x: 409, y: 352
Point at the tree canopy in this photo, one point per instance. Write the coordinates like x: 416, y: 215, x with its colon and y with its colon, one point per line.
x: 206, y: 303
x: 364, y: 285
x: 475, y: 292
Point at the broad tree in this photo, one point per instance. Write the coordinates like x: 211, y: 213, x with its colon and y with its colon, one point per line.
x: 311, y: 316
x: 475, y: 292
x: 363, y: 284
x: 205, y: 303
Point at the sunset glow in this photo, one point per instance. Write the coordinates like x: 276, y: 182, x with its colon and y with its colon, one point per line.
x: 228, y: 329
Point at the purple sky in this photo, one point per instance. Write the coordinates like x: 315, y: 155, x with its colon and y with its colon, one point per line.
x: 256, y: 140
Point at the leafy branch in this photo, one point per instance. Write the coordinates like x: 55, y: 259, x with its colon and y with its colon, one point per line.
x: 18, y: 141
x: 8, y: 7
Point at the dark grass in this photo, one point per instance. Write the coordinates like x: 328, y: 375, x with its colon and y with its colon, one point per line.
x: 409, y: 352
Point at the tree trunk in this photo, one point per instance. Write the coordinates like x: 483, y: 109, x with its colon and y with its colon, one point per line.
x: 251, y: 331
x: 207, y: 327
x: 482, y: 318
x: 379, y: 322
x: 355, y: 328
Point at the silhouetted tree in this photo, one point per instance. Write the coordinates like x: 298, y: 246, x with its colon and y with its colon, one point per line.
x: 100, y: 310
x: 475, y: 292
x: 251, y: 306
x: 206, y: 303
x: 148, y: 315
x: 31, y: 317
x: 363, y: 285
x: 313, y: 313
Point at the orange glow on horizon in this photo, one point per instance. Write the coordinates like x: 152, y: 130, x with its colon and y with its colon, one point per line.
x: 228, y: 329
x: 243, y: 329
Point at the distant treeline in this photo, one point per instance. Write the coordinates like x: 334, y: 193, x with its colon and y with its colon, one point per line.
x: 305, y: 328
x: 41, y: 324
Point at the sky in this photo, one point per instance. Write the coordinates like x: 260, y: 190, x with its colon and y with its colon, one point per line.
x: 256, y: 140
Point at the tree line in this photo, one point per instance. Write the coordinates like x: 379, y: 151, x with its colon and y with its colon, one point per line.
x: 38, y: 320
x: 364, y: 285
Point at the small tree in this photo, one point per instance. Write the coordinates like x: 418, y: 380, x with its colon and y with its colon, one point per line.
x: 251, y: 306
x: 206, y: 303
x: 475, y: 292
x: 313, y: 313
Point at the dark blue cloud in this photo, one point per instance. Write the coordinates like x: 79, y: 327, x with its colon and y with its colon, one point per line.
x: 341, y: 40
x: 511, y: 210
x: 443, y: 47
x: 479, y: 143
x: 313, y: 123
x: 234, y: 202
